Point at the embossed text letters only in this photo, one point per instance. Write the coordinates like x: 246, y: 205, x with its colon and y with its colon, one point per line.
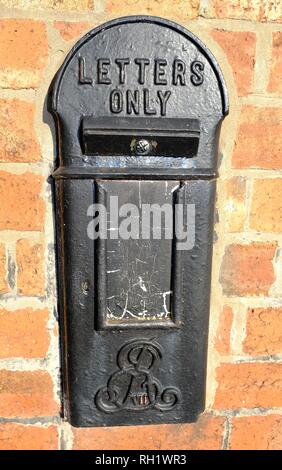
x: 158, y: 72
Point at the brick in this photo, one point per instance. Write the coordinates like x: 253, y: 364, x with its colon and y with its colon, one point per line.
x: 222, y: 339
x: 21, y: 206
x: 234, y: 207
x: 30, y: 264
x: 249, y: 385
x: 264, y: 331
x: 181, y: 9
x: 23, y: 52
x: 275, y: 82
x: 254, y: 10
x: 4, y: 287
x: 70, y: 31
x: 259, y: 139
x: 23, y: 333
x: 240, y: 49
x: 17, y: 136
x: 206, y: 434
x: 59, y: 5
x: 22, y: 437
x: 256, y: 433
x: 266, y: 208
x: 26, y: 394
x: 248, y: 269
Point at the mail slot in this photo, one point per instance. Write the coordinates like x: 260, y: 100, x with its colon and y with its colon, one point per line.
x: 120, y: 136
x: 138, y: 104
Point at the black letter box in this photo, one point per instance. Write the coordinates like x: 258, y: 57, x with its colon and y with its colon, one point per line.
x: 138, y: 105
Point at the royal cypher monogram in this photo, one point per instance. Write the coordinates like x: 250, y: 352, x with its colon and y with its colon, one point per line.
x: 133, y: 386
x: 147, y: 101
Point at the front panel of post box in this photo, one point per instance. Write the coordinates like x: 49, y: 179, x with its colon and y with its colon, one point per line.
x: 138, y: 105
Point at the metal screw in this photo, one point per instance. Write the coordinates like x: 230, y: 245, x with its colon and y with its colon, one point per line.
x: 142, y: 147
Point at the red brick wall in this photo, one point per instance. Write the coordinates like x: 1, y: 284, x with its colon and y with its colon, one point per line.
x: 244, y: 386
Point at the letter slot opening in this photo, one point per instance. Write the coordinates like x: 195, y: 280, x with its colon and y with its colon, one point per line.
x: 165, y: 137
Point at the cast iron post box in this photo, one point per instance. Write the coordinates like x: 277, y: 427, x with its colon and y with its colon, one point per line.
x: 138, y: 105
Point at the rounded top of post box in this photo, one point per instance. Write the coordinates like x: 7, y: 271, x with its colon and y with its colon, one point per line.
x: 139, y: 73
x: 143, y: 19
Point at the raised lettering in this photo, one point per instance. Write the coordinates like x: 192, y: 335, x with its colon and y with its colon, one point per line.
x: 133, y: 102
x: 102, y: 72
x: 147, y: 109
x: 121, y: 64
x: 142, y: 64
x: 197, y: 69
x: 116, y: 101
x: 178, y: 74
x: 163, y: 99
x: 82, y: 79
x: 160, y: 72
